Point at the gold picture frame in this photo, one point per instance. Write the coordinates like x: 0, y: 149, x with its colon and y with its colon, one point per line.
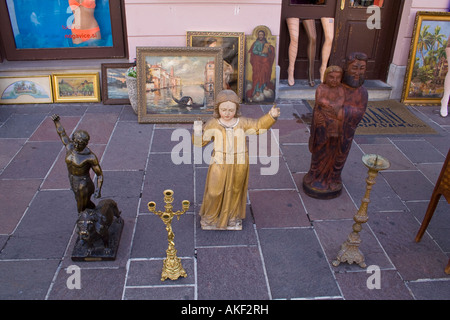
x: 76, y: 87
x: 177, y: 84
x: 26, y: 89
x: 427, y: 63
x: 233, y: 53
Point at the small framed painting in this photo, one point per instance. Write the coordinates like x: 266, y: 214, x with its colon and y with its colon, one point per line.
x: 114, y: 84
x: 76, y: 87
x: 177, y: 84
x: 30, y: 89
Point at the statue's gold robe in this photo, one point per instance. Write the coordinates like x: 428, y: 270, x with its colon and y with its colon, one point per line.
x: 224, y: 199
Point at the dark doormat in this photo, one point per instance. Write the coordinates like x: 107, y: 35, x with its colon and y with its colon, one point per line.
x: 389, y: 117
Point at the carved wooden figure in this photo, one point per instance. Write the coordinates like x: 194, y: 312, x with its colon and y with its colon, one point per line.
x: 338, y: 111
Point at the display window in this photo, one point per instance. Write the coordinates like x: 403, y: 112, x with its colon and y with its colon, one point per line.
x: 62, y: 29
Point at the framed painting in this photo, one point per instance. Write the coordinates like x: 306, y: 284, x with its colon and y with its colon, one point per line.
x: 33, y: 31
x: 233, y: 53
x: 177, y: 84
x: 30, y: 89
x: 427, y: 64
x: 76, y: 87
x: 260, y: 72
x: 114, y: 84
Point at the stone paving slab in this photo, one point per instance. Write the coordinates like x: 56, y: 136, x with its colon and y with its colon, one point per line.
x: 239, y: 269
x: 128, y: 148
x: 95, y: 284
x: 278, y: 209
x: 20, y: 125
x: 15, y: 196
x: 295, y: 264
x: 338, y: 208
x: 44, y: 231
x: 354, y: 286
x: 33, y: 161
x: 26, y: 279
x: 396, y: 232
x: 9, y: 148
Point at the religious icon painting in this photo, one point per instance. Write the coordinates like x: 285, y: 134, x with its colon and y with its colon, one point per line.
x: 260, y: 72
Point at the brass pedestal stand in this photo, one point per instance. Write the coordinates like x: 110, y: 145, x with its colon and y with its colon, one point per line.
x: 172, y: 267
x: 350, y: 248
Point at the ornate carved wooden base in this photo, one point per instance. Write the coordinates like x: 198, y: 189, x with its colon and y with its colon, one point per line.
x: 98, y: 252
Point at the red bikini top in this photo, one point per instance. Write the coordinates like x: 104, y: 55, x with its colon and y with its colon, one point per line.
x: 86, y: 3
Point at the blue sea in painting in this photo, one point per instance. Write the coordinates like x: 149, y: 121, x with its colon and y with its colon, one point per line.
x: 37, y: 25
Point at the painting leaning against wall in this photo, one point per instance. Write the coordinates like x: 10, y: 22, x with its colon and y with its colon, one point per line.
x: 428, y: 64
x: 177, y: 84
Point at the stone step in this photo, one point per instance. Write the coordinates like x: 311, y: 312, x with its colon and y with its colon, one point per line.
x: 378, y: 90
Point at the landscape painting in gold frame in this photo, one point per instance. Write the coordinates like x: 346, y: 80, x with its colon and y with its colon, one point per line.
x: 76, y: 87
x: 233, y: 53
x: 27, y: 89
x: 427, y: 64
x: 177, y: 84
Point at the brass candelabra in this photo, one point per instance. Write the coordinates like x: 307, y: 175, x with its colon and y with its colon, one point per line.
x: 350, y: 251
x: 172, y: 267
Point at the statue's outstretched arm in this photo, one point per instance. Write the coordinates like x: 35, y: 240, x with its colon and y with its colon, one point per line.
x: 60, y: 130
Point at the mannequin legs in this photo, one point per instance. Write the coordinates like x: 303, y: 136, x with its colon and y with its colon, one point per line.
x: 328, y: 30
x: 310, y: 27
x: 294, y: 30
x: 444, y: 101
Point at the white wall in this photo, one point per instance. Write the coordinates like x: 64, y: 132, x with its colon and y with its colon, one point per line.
x: 165, y: 23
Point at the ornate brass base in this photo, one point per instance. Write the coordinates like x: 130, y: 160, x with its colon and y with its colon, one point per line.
x: 350, y: 252
x: 172, y: 269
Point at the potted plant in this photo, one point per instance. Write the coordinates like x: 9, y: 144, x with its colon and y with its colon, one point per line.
x: 131, y: 77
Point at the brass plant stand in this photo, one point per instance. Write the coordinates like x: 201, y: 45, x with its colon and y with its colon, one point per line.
x: 350, y: 248
x: 172, y: 267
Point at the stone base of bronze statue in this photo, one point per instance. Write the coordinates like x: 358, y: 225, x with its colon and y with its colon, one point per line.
x: 323, y: 194
x: 99, y: 231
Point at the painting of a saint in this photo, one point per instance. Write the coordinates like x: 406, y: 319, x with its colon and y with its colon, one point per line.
x: 260, y: 75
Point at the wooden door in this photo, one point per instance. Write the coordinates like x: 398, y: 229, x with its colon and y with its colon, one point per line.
x: 351, y: 34
x: 357, y: 30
